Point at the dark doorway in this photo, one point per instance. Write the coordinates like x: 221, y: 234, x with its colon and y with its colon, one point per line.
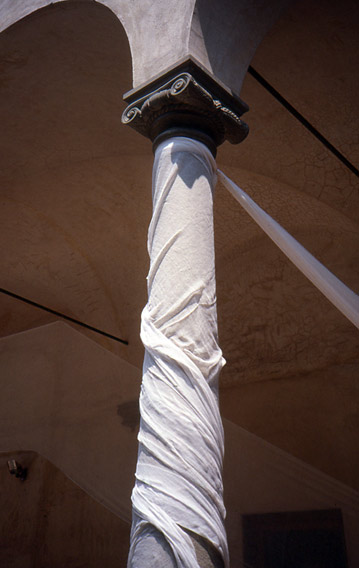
x: 304, y: 539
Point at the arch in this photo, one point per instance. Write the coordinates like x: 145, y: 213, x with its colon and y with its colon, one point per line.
x: 144, y: 24
x: 221, y: 36
x: 63, y: 70
x: 225, y: 35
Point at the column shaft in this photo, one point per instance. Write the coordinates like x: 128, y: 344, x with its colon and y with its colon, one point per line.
x: 178, y: 477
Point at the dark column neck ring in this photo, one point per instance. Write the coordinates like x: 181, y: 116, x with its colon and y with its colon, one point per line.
x: 188, y: 133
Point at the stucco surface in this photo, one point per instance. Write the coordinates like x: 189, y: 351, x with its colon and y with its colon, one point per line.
x: 309, y: 380
x: 76, y: 204
x: 73, y: 417
x: 162, y: 32
x: 326, y: 93
x: 49, y: 521
x: 76, y: 405
x: 157, y: 31
x: 224, y: 35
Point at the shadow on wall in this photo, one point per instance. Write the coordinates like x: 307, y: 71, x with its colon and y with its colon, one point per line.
x: 243, y: 24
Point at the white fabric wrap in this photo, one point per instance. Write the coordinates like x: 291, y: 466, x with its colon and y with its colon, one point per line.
x: 179, y: 469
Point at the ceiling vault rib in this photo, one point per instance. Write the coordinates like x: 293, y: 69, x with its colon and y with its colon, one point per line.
x: 302, y: 120
x: 63, y: 316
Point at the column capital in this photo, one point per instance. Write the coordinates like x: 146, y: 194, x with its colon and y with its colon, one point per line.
x: 186, y: 101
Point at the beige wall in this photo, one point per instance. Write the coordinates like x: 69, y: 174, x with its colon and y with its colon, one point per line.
x: 75, y: 403
x: 76, y: 204
x: 75, y: 189
x: 49, y: 521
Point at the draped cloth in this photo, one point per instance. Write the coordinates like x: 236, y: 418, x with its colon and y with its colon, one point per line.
x: 178, y: 477
x: 179, y: 470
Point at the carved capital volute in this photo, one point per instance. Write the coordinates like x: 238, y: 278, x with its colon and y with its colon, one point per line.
x: 186, y: 101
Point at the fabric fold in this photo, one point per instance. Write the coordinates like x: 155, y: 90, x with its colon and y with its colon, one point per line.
x: 181, y: 442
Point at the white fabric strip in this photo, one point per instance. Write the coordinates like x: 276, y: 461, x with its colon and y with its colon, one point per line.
x: 337, y: 293
x: 178, y: 476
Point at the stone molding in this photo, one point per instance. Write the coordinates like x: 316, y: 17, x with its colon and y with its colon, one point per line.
x: 186, y: 103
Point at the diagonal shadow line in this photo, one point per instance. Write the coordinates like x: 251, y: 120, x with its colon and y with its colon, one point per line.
x: 63, y: 316
x: 302, y: 120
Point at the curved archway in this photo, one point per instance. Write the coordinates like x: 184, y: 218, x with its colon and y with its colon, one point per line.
x: 224, y: 36
x: 64, y: 152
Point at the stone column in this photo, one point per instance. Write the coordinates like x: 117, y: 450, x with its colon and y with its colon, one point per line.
x: 178, y: 512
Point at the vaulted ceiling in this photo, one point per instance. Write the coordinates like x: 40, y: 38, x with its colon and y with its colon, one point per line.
x: 76, y: 202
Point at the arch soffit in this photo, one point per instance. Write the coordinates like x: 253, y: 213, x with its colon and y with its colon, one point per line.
x: 157, y: 31
x: 223, y: 37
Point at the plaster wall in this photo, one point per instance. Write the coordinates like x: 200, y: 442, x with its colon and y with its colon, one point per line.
x: 161, y: 33
x: 49, y: 521
x: 157, y: 31
x: 74, y: 181
x: 75, y: 404
x: 225, y: 35
x: 76, y: 205
x: 260, y: 478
